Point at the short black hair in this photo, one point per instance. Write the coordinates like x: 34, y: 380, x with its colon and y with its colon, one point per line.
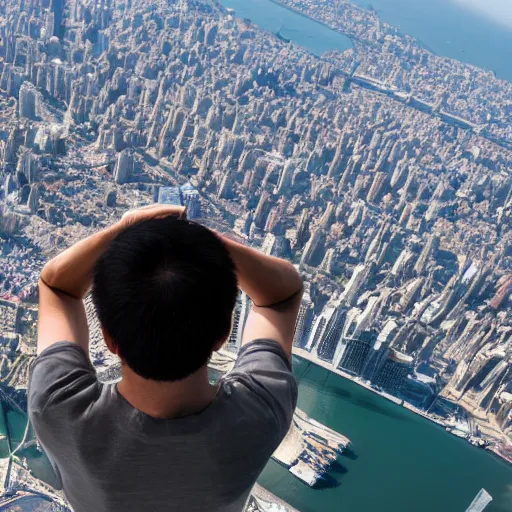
x: 165, y: 291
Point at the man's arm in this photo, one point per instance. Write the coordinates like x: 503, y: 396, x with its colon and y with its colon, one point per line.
x: 63, y: 284
x: 275, y: 287
x: 66, y: 279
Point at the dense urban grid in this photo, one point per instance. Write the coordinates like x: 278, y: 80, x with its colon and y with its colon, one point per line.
x: 384, y: 172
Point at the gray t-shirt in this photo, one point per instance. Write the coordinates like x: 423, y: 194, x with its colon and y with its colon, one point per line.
x: 111, y: 457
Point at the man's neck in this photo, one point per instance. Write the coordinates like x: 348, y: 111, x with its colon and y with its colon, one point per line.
x: 167, y: 399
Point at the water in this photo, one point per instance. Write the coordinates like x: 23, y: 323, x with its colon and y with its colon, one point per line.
x: 443, y: 26
x: 303, y: 31
x: 400, y: 461
x: 450, y: 30
x: 37, y: 462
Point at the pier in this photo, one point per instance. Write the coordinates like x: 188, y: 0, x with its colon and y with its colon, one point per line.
x: 309, y: 448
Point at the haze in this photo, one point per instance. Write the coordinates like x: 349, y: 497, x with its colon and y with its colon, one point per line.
x: 500, y: 11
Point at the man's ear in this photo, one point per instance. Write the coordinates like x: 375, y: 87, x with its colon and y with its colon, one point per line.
x: 109, y: 341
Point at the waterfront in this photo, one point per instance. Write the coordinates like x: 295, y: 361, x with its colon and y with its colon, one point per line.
x: 12, y: 430
x: 303, y: 31
x: 399, y: 460
x: 443, y: 26
x: 450, y: 30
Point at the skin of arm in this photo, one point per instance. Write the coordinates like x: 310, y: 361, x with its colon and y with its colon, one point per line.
x: 66, y: 279
x: 275, y: 287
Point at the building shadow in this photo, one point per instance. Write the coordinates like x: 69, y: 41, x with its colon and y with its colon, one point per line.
x: 372, y: 406
x: 350, y: 454
x: 338, y: 392
x: 326, y: 482
x: 337, y: 467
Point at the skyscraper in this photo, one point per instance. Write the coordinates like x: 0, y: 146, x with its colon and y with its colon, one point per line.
x: 376, y: 358
x: 27, y: 101
x: 240, y: 314
x: 304, y: 321
x: 394, y: 371
x: 319, y: 326
x: 124, y: 166
x: 331, y: 335
x: 186, y: 195
x: 482, y: 499
x: 356, y: 353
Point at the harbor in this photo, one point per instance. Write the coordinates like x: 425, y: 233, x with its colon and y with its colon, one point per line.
x: 309, y: 449
x: 397, y: 460
x: 451, y: 425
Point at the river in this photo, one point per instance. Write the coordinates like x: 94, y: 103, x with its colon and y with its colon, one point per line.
x: 450, y: 30
x: 309, y: 34
x: 443, y: 26
x: 14, y: 428
x: 399, y: 460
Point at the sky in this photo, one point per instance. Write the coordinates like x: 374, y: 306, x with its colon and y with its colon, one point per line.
x: 499, y: 11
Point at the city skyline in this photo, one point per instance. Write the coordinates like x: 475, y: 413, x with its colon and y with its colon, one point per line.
x: 384, y: 172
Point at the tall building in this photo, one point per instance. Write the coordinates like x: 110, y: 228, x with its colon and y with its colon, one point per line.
x: 356, y: 284
x: 27, y: 101
x: 186, y: 195
x: 240, y: 314
x: 394, y: 371
x: 331, y: 335
x: 304, y: 321
x: 320, y: 325
x: 375, y: 360
x: 191, y: 200
x: 314, y: 250
x: 285, y: 178
x: 124, y: 166
x: 27, y: 166
x: 169, y: 195
x: 482, y: 499
x: 419, y: 390
x: 356, y: 353
x: 33, y: 198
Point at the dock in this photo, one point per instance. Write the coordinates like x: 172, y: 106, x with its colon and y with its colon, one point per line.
x: 309, y: 448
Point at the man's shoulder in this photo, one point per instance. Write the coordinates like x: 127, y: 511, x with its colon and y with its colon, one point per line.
x: 262, y: 382
x: 60, y: 373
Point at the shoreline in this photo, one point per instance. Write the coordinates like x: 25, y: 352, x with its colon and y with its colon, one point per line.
x: 305, y: 16
x: 401, y: 32
x: 309, y: 448
x: 303, y: 354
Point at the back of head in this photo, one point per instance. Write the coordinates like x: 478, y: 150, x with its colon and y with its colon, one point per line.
x: 165, y: 292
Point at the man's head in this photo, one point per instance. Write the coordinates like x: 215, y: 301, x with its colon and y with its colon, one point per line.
x: 165, y: 291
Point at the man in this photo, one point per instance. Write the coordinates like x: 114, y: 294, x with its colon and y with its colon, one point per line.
x: 163, y: 438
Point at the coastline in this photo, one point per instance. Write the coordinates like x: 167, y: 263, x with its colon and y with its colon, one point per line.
x: 309, y: 448
x: 305, y: 16
x: 300, y: 13
x: 400, y: 31
x: 305, y: 355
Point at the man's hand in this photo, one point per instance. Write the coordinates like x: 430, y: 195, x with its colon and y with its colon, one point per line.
x: 66, y: 279
x: 153, y: 211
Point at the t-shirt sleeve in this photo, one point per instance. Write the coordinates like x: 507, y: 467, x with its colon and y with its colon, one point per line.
x: 62, y: 384
x: 263, y: 366
x: 62, y: 379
